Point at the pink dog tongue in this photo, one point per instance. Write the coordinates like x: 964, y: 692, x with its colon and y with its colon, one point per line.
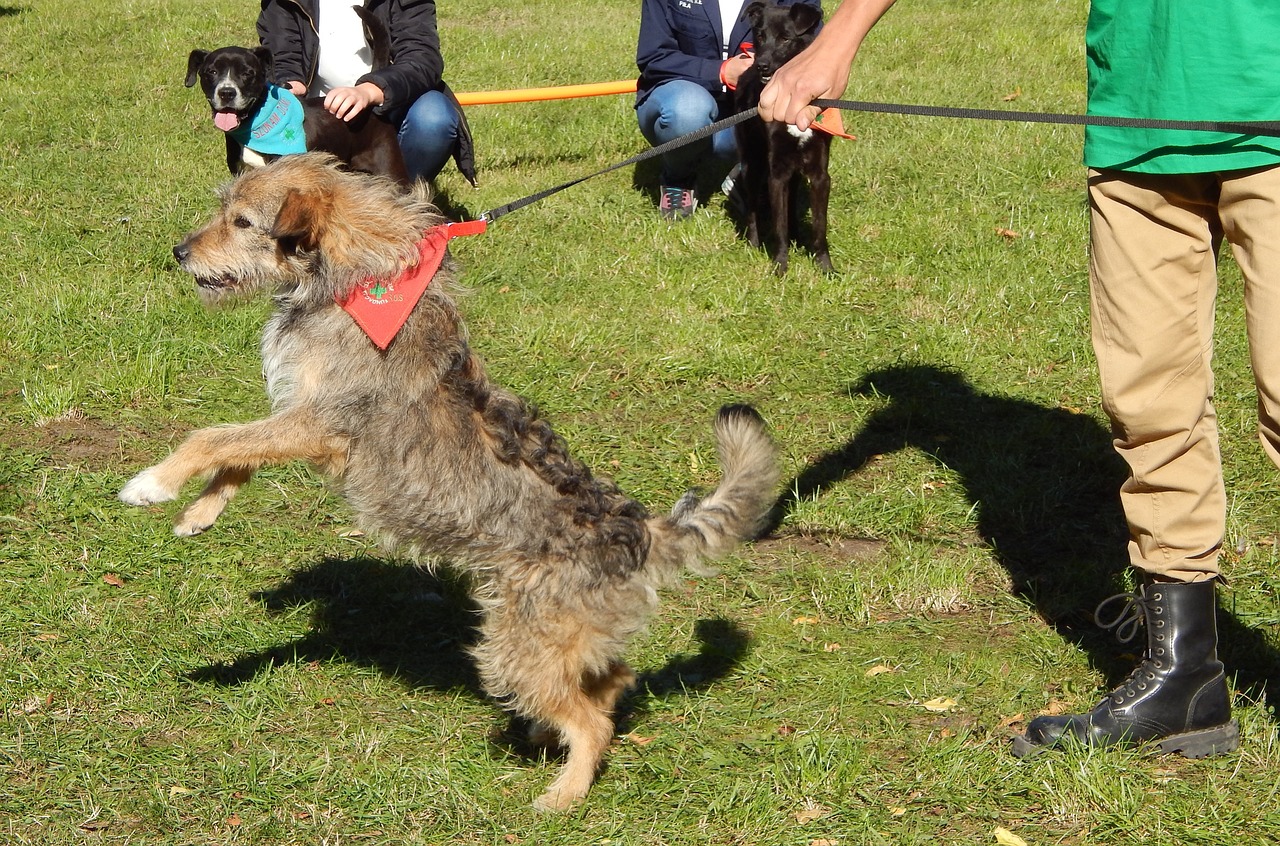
x: 226, y: 121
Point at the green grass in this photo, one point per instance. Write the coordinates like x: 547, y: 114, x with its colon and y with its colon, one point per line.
x: 949, y: 522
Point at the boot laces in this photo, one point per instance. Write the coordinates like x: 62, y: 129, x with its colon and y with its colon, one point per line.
x: 1133, y: 613
x: 1125, y: 622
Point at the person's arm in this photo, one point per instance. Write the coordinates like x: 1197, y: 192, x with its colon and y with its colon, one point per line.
x: 278, y: 31
x: 669, y: 49
x: 417, y: 65
x: 822, y: 70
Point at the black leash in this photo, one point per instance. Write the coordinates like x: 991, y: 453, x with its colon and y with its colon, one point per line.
x: 673, y: 144
x: 1263, y: 127
x: 1260, y: 127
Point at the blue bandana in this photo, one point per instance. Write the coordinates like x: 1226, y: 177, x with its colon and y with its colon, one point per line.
x: 276, y: 127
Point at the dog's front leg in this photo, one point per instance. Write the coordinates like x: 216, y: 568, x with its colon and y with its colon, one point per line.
x: 780, y: 179
x: 232, y: 454
x: 202, y: 511
x: 819, y: 199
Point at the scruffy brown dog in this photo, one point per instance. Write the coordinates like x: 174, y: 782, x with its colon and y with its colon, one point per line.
x: 439, y: 460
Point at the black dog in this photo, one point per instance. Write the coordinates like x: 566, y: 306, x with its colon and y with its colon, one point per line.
x: 774, y: 155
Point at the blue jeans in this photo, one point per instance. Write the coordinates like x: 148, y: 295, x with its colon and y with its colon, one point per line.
x: 427, y: 134
x: 676, y: 108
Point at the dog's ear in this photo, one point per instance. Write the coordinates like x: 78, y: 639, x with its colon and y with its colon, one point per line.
x: 755, y: 14
x: 194, y: 61
x: 299, y: 224
x: 805, y: 18
x: 263, y: 55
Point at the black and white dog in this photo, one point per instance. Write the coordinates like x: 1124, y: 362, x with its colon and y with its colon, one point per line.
x: 774, y: 156
x: 262, y: 121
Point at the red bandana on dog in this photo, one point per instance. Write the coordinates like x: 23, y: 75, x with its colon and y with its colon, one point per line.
x: 381, y: 306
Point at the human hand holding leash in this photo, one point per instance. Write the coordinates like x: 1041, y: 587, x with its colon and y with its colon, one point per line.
x: 822, y: 70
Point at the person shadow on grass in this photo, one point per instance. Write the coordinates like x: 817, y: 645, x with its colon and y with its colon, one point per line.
x: 1045, y: 488
x: 417, y: 627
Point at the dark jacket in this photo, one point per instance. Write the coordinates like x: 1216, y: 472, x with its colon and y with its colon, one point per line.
x: 412, y: 67
x: 681, y: 39
x: 288, y: 29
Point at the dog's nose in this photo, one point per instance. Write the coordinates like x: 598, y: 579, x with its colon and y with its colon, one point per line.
x: 181, y: 252
x: 227, y: 92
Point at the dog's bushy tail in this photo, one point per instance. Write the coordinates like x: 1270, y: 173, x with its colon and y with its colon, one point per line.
x: 701, y: 529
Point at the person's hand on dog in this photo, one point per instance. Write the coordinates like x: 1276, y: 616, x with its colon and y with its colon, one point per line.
x: 732, y: 69
x: 346, y: 102
x: 821, y: 72
x: 298, y: 88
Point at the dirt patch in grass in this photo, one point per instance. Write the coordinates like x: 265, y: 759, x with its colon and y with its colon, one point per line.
x: 77, y: 440
x: 839, y: 549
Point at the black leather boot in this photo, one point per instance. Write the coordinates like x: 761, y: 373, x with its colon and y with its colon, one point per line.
x: 1176, y: 699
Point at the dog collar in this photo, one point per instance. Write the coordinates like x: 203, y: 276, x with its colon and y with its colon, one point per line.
x: 380, y: 307
x: 275, y: 129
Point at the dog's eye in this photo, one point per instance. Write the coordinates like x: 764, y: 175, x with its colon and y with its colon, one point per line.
x: 242, y: 222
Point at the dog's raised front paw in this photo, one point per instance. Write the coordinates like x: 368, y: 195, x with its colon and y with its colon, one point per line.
x: 146, y: 489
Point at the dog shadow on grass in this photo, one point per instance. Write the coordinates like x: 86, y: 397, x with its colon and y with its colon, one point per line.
x: 1044, y: 484
x: 417, y: 627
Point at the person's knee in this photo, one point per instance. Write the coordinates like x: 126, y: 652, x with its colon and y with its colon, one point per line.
x: 432, y: 116
x: 428, y: 134
x: 680, y: 108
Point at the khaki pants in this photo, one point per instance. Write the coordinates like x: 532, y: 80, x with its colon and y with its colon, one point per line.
x: 1153, y: 280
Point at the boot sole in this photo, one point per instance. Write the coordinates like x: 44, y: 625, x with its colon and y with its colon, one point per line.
x: 1203, y: 743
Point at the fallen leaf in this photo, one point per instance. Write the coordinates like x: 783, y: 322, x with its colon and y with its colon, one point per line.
x: 1008, y: 721
x: 1008, y: 234
x: 786, y: 731
x: 804, y: 621
x: 505, y: 289
x: 823, y: 841
x: 47, y: 636
x: 946, y: 733
x: 939, y: 704
x: 877, y: 670
x: 896, y: 810
x: 830, y: 647
x: 351, y: 533
x: 113, y: 579
x: 810, y: 812
x: 1005, y: 837
x: 637, y: 739
x: 1013, y: 95
x: 178, y: 790
x: 233, y: 820
x: 94, y: 825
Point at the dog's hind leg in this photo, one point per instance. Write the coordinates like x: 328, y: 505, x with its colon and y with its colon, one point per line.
x: 586, y: 729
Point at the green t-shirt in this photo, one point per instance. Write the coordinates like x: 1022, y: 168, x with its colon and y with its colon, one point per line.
x: 1182, y: 60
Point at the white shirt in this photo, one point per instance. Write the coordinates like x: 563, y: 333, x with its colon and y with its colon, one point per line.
x: 730, y: 11
x: 344, y: 54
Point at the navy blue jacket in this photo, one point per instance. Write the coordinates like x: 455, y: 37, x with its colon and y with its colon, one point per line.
x: 681, y: 39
